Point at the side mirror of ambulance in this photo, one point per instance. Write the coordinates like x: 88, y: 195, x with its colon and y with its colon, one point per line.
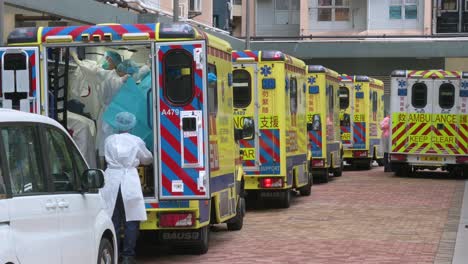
x: 92, y: 180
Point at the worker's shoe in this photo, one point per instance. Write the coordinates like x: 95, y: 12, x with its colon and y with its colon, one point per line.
x: 128, y: 260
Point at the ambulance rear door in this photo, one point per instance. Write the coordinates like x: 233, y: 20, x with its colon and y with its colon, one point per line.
x: 346, y: 102
x: 417, y: 138
x: 182, y: 120
x: 19, y: 79
x: 246, y: 105
x: 445, y: 120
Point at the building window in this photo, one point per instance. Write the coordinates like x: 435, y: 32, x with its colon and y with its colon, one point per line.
x: 450, y: 5
x: 410, y: 8
x: 333, y: 10
x: 287, y: 12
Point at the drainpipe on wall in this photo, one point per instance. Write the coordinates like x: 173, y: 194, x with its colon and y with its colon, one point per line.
x: 175, y: 10
x: 2, y: 20
x: 460, y: 18
x: 247, y: 25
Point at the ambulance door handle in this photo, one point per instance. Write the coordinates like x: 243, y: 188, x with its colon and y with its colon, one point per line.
x: 149, y: 107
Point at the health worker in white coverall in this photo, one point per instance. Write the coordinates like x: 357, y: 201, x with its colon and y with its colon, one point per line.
x: 109, y: 80
x: 122, y: 191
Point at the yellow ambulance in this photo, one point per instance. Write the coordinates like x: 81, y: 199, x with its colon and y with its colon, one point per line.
x: 270, y: 91
x: 183, y: 103
x: 323, y: 123
x: 361, y: 101
x: 429, y: 123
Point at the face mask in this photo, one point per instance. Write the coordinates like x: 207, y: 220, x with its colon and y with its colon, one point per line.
x: 105, y: 65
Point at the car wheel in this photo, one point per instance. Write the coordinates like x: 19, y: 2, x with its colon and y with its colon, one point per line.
x: 106, y: 252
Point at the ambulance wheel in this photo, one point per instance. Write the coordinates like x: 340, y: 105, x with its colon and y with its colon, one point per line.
x: 306, y: 190
x: 237, y: 222
x: 465, y: 172
x: 339, y: 171
x: 201, y: 246
x: 366, y: 164
x: 285, y: 199
x: 380, y: 162
x: 320, y: 176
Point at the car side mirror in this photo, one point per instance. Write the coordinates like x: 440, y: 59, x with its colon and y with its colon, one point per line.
x: 237, y: 134
x: 93, y: 179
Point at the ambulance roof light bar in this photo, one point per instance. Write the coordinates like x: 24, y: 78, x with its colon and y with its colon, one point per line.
x: 59, y: 39
x: 245, y: 59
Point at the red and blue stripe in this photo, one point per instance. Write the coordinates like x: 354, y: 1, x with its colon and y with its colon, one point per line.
x: 359, y: 135
x: 244, y: 54
x: 315, y: 139
x: 115, y: 30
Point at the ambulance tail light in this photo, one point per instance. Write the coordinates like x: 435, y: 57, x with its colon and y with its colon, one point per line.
x: 359, y: 153
x: 462, y: 159
x: 176, y: 219
x: 271, y: 182
x: 317, y: 162
x: 398, y: 157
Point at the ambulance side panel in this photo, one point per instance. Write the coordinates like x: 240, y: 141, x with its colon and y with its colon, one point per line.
x: 316, y: 115
x: 333, y: 146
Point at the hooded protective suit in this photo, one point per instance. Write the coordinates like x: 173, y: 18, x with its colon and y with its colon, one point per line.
x: 110, y: 83
x: 124, y: 152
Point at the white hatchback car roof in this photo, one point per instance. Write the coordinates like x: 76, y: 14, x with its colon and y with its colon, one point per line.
x: 8, y: 115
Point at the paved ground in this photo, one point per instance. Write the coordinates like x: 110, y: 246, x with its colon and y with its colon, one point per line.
x: 361, y: 217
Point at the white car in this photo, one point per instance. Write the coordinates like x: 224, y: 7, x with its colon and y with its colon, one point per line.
x: 50, y: 208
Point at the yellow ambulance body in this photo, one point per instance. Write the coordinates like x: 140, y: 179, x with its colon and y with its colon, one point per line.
x: 429, y: 122
x: 270, y: 91
x: 361, y: 111
x: 197, y: 178
x: 323, y: 124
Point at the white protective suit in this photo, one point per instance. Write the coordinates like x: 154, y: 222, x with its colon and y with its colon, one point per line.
x: 124, y: 152
x: 110, y: 83
x: 84, y: 134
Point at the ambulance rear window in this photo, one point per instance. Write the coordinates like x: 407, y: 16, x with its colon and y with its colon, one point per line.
x: 343, y: 94
x: 178, y: 86
x: 242, y: 88
x: 419, y: 95
x: 446, y: 96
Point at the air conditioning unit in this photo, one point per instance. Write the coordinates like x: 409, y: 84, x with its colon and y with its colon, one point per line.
x: 195, y: 8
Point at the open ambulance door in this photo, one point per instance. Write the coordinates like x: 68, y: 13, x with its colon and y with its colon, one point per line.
x: 19, y: 79
x: 245, y: 85
x: 182, y: 121
x: 419, y: 111
x: 346, y: 101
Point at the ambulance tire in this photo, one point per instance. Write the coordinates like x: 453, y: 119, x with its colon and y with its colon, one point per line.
x: 365, y: 164
x: 200, y: 247
x: 380, y: 162
x: 236, y: 223
x: 465, y: 172
x: 339, y: 171
x: 306, y: 190
x: 285, y: 199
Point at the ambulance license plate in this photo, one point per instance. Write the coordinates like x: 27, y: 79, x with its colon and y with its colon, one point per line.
x: 431, y: 158
x: 182, y: 235
x: 270, y: 194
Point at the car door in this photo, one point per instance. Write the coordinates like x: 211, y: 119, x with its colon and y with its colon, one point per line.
x: 76, y: 210
x: 33, y: 220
